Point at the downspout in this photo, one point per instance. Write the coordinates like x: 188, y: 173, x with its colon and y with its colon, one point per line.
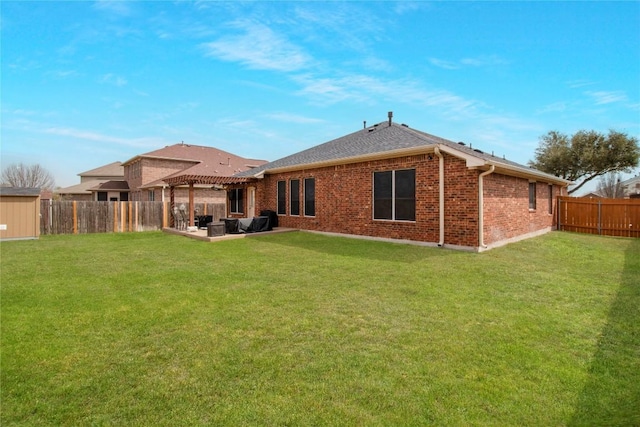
x: 440, y: 194
x: 481, y: 205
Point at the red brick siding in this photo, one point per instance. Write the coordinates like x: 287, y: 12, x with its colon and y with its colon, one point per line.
x: 506, y: 207
x: 147, y: 170
x: 344, y: 200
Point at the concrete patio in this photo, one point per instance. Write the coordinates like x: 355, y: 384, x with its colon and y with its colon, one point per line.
x: 201, y: 234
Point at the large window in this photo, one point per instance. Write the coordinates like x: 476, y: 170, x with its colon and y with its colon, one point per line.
x: 294, y: 197
x: 309, y: 197
x: 550, y: 199
x: 394, y: 195
x: 282, y: 198
x: 236, y: 200
x: 532, y: 195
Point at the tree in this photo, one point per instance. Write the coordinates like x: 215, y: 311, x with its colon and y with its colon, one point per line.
x: 609, y: 186
x: 585, y: 155
x: 33, y: 176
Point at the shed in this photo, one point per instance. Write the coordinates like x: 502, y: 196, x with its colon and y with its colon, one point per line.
x: 19, y: 213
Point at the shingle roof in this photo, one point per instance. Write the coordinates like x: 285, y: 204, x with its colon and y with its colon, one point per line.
x: 379, y: 139
x: 112, y: 169
x: 19, y: 191
x: 82, y: 188
x: 208, y: 162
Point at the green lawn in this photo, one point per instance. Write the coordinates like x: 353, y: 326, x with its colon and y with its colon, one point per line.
x: 303, y: 329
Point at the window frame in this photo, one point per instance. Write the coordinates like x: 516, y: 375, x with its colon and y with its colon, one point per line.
x: 394, y: 203
x: 294, y: 197
x: 236, y: 201
x: 281, y: 197
x: 550, y: 199
x: 532, y: 195
x: 309, y: 204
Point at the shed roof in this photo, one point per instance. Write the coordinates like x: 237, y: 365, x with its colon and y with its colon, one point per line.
x: 19, y: 191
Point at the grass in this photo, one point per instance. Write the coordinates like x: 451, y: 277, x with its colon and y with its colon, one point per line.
x: 303, y: 329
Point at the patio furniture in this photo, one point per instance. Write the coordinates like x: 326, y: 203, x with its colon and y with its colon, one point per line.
x: 215, y: 229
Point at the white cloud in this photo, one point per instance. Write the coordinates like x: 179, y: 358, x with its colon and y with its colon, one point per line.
x: 98, y: 137
x: 258, y: 47
x: 574, y: 84
x: 607, y: 97
x: 441, y: 63
x: 292, y: 118
x: 117, y: 7
x: 479, y: 61
x: 114, y: 80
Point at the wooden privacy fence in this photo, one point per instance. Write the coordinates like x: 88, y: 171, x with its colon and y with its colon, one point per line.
x: 80, y: 217
x: 607, y: 217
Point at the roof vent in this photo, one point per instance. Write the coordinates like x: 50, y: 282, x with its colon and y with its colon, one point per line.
x: 461, y: 143
x: 478, y: 151
x: 405, y: 125
x: 364, y: 122
x: 372, y: 129
x: 390, y: 115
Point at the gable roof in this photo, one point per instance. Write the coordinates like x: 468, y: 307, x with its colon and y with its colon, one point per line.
x: 384, y: 140
x: 208, y: 162
x: 112, y: 169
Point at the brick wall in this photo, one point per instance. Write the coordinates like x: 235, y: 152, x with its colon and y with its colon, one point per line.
x: 344, y: 200
x: 506, y: 207
x: 147, y: 170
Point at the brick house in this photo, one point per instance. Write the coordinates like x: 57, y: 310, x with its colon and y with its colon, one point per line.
x: 104, y: 183
x: 393, y: 182
x: 146, y: 173
x: 631, y: 187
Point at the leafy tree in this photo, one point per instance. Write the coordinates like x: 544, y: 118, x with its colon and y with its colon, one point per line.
x: 610, y: 186
x: 585, y: 155
x: 27, y: 176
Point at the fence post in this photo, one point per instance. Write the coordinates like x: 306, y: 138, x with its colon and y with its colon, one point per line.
x: 75, y: 218
x: 599, y: 217
x: 559, y: 214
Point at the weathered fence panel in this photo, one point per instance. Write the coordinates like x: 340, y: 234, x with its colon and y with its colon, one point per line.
x: 607, y: 217
x: 80, y: 217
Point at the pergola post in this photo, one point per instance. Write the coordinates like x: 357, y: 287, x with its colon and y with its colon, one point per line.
x: 172, y: 206
x: 192, y: 213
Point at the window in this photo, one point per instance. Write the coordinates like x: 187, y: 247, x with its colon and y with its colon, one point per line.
x: 394, y: 195
x: 102, y: 196
x: 236, y: 200
x: 152, y: 195
x: 294, y: 197
x: 282, y: 198
x: 551, y: 199
x: 532, y: 195
x: 309, y: 197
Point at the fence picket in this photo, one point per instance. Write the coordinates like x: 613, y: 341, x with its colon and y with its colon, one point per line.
x: 607, y: 217
x: 81, y: 217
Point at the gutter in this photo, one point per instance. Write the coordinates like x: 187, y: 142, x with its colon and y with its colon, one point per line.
x: 440, y: 194
x: 481, y: 205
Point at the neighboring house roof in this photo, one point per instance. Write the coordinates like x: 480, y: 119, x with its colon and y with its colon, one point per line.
x: 111, y: 186
x: 208, y: 162
x: 631, y: 186
x: 82, y: 188
x: 112, y: 169
x: 593, y: 194
x: 386, y: 140
x: 19, y: 191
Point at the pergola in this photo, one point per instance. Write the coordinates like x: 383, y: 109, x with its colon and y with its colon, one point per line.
x: 191, y: 180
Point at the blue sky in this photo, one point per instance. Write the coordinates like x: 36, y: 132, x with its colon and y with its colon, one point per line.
x: 89, y: 83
